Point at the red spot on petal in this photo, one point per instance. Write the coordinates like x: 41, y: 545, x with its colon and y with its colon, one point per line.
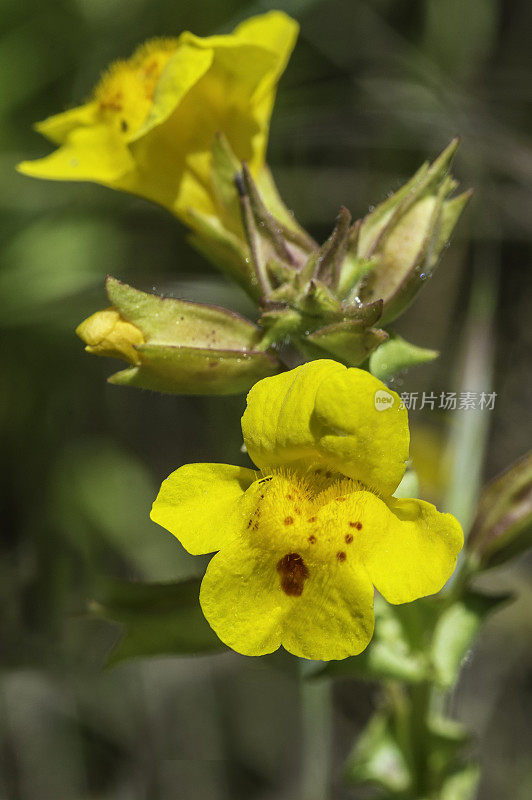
x: 312, y: 539
x: 288, y: 520
x: 348, y: 538
x: 293, y: 572
x: 341, y: 556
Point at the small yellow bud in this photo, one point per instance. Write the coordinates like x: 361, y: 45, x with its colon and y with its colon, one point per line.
x: 106, y: 333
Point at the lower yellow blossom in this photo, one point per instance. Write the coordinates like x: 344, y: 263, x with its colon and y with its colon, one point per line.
x: 303, y: 542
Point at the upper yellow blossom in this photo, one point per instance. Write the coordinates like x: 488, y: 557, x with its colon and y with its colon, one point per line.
x: 150, y: 125
x: 303, y: 541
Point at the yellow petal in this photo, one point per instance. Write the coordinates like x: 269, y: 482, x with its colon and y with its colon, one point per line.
x: 203, y: 505
x: 326, y: 413
x: 244, y: 602
x: 368, y: 440
x: 409, y: 549
x: 58, y: 127
x: 275, y: 31
x: 106, y: 333
x: 150, y: 127
x: 184, y: 69
x: 88, y: 154
x: 333, y: 618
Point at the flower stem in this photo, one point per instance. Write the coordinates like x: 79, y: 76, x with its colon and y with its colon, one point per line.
x: 316, y: 719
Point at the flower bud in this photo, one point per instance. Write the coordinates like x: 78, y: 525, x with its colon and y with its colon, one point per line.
x: 175, y: 346
x: 405, y: 235
x: 503, y: 524
x: 106, y: 333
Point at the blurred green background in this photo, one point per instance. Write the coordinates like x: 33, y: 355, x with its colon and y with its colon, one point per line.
x: 373, y: 89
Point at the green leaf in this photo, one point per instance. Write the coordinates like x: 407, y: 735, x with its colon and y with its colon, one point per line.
x: 447, y: 739
x: 396, y: 355
x: 378, y: 759
x: 456, y: 630
x: 101, y: 497
x: 158, y: 619
x: 462, y: 784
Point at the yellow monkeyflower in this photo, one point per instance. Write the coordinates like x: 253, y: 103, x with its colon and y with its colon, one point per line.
x: 107, y: 333
x: 303, y: 540
x: 150, y: 124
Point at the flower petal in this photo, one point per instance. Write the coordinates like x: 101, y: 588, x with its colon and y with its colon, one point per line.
x: 329, y: 617
x: 370, y: 440
x: 58, y: 127
x: 410, y: 549
x: 333, y: 618
x: 239, y: 600
x: 324, y: 412
x: 204, y: 505
x: 88, y: 154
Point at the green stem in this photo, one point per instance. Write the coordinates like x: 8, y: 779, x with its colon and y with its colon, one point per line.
x: 420, y: 702
x: 316, y: 719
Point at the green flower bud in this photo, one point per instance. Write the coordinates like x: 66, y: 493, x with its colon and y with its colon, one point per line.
x: 502, y: 527
x: 175, y: 346
x: 405, y: 235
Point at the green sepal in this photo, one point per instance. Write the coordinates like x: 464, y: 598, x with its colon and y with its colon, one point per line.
x: 455, y: 632
x: 166, y: 320
x: 396, y: 355
x: 157, y: 619
x: 318, y: 301
x: 354, y: 269
x: 196, y: 370
x: 223, y: 249
x: 263, y: 233
x: 502, y: 528
x: 369, y: 313
x: 281, y: 325
x: 348, y: 341
x: 274, y: 203
x: 331, y: 253
x: 224, y: 169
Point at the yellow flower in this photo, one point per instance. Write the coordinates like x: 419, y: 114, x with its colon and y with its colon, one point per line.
x: 107, y: 333
x: 150, y: 125
x: 303, y: 541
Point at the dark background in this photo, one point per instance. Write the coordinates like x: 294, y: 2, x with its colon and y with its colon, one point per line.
x: 372, y: 90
